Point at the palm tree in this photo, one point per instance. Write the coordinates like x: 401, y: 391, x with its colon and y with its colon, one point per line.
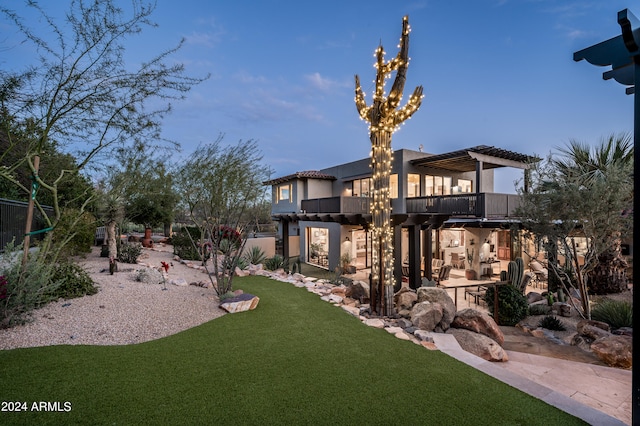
x: 604, y: 176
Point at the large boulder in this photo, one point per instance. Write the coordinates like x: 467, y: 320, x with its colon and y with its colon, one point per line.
x: 613, y: 350
x: 601, y: 325
x: 593, y: 329
x: 405, y: 299
x: 479, y: 345
x: 240, y: 303
x: 440, y: 296
x: 478, y: 322
x: 426, y: 315
x: 358, y: 290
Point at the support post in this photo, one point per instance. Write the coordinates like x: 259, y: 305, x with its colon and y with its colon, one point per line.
x: 27, y: 228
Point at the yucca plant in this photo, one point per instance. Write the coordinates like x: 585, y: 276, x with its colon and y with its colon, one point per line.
x: 616, y: 313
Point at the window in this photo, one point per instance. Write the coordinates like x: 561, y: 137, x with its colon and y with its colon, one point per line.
x: 413, y: 185
x: 437, y: 185
x: 393, y: 186
x: 464, y: 186
x: 284, y: 193
x: 361, y: 187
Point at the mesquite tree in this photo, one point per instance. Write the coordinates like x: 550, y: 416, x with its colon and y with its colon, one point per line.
x: 219, y: 187
x: 384, y: 119
x: 81, y: 94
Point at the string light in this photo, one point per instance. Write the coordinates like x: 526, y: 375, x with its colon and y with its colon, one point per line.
x: 384, y: 120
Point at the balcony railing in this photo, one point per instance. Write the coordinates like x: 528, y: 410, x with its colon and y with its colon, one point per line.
x: 348, y: 205
x: 486, y: 205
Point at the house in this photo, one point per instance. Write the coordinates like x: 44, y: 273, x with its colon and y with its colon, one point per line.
x: 443, y: 206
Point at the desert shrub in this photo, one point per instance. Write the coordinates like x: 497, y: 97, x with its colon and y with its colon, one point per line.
x: 616, y: 313
x: 71, y: 281
x: 539, y: 309
x: 82, y: 228
x: 255, y: 255
x: 551, y: 323
x: 512, y: 304
x: 276, y: 262
x: 129, y: 252
x: 183, y: 246
x: 22, y: 291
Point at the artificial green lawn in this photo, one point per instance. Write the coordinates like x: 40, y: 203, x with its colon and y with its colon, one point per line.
x: 293, y: 360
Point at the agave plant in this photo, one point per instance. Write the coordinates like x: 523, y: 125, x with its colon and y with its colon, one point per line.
x: 255, y: 256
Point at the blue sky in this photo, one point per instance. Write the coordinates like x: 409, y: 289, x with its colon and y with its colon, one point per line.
x: 495, y: 72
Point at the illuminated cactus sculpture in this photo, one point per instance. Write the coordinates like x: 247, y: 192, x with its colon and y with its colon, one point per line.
x: 384, y: 119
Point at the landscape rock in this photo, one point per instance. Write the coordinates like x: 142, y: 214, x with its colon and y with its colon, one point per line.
x: 533, y: 297
x: 563, y: 309
x: 180, y: 282
x: 374, y: 322
x: 426, y: 315
x: 615, y: 351
x: 358, y: 290
x: 241, y: 272
x: 478, y: 322
x: 424, y: 335
x: 601, y: 325
x: 593, y: 330
x: 479, y: 345
x: 241, y: 303
x: 405, y: 299
x: 352, y: 310
x: 440, y: 296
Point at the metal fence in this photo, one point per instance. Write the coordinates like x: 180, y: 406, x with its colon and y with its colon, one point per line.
x: 13, y: 217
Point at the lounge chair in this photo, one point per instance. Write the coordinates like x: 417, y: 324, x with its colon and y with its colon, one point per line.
x: 477, y: 293
x: 526, y: 279
x: 541, y: 273
x: 443, y: 274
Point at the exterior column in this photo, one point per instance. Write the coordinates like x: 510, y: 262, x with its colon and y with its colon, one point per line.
x: 414, y: 257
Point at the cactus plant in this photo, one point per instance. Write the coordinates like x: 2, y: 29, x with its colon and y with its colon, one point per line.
x: 515, y: 272
x: 503, y: 276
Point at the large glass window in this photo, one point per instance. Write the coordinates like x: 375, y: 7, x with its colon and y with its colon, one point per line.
x: 393, y: 186
x: 413, y: 185
x: 464, y: 185
x: 437, y: 185
x: 361, y: 187
x: 318, y: 248
x: 284, y: 193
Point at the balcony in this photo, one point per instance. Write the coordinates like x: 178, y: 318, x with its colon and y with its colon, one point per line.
x: 484, y: 205
x: 344, y: 205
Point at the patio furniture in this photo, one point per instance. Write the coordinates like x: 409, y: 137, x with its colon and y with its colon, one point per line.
x: 405, y: 270
x: 477, y: 294
x: 541, y: 273
x: 436, y: 264
x: 526, y: 279
x: 443, y: 274
x: 457, y: 261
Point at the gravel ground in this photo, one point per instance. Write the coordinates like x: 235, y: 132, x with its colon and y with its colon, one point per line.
x: 124, y: 311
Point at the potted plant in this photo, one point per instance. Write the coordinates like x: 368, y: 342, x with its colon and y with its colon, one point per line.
x: 315, y: 250
x: 345, y: 261
x: 470, y: 273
